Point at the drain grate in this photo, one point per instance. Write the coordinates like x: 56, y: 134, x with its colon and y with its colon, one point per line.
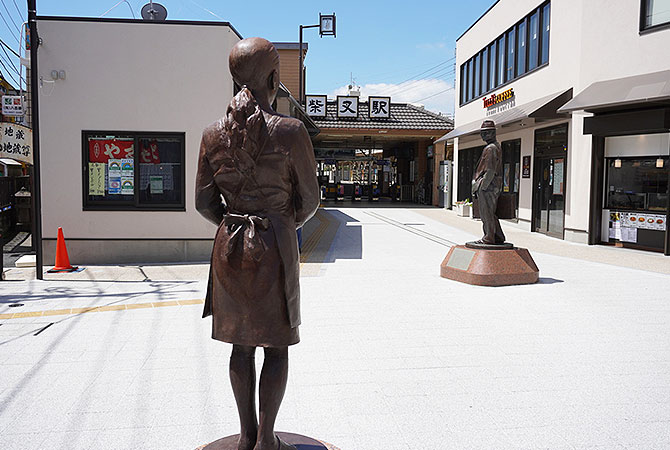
x: 15, y: 305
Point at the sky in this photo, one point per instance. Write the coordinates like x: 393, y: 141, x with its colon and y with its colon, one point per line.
x: 402, y: 49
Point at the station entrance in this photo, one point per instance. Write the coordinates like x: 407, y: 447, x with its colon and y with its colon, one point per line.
x: 357, y: 175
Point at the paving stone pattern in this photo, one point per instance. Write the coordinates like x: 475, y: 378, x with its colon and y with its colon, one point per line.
x: 392, y: 356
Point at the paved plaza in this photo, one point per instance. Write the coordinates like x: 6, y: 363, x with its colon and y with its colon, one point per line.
x: 391, y: 355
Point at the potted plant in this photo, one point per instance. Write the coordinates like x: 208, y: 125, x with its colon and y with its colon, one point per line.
x: 463, y: 207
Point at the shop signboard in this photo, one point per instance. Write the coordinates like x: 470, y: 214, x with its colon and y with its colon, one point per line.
x: 16, y: 142
x: 380, y: 107
x: 526, y: 167
x: 316, y: 105
x: 12, y: 105
x: 644, y: 221
x: 496, y: 103
x: 347, y: 106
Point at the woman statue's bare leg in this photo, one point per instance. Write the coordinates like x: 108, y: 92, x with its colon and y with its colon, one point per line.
x: 271, y: 392
x: 243, y: 379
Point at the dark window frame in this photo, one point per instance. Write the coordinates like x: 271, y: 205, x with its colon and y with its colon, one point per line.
x: 495, y: 43
x: 643, y: 26
x: 92, y: 205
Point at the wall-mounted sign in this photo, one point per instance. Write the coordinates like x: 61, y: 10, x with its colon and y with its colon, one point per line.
x: 16, y: 142
x: 316, y: 105
x: 494, y: 99
x: 526, y: 167
x: 12, y: 105
x: 347, y: 106
x: 380, y: 107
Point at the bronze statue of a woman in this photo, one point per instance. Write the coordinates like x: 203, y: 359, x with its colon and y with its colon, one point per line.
x: 257, y: 182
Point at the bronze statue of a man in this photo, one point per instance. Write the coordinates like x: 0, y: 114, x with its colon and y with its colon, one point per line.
x: 262, y: 165
x: 487, y: 184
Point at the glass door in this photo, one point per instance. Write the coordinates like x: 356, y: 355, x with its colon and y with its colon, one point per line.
x: 550, y: 196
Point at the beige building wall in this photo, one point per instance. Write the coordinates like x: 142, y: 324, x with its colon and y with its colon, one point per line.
x: 123, y: 76
x: 289, y: 60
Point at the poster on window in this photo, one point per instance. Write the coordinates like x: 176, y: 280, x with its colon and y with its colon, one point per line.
x: 516, y: 177
x: 114, y: 168
x: 96, y: 179
x: 628, y: 234
x: 114, y: 186
x: 102, y: 150
x: 506, y: 177
x: 127, y: 168
x: 149, y: 152
x: 558, y: 177
x: 156, y: 185
x: 127, y: 186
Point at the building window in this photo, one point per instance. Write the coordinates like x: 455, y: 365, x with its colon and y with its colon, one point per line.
x: 477, y: 64
x: 639, y: 184
x: 492, y: 67
x: 133, y: 171
x: 654, y: 13
x: 501, y: 60
x: 519, y: 50
x: 533, y: 39
x: 511, y: 43
x: 544, y: 54
x: 467, y: 163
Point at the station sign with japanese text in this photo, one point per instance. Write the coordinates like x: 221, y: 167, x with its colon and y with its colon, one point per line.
x: 347, y: 106
x: 380, y: 107
x: 16, y: 142
x: 316, y: 105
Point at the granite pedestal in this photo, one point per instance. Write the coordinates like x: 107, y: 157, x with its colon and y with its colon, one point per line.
x: 489, y: 265
x: 300, y: 442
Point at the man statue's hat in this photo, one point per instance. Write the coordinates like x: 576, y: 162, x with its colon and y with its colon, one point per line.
x: 488, y: 125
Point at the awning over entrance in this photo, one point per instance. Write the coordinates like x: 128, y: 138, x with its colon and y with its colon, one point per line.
x: 646, y: 88
x: 542, y: 108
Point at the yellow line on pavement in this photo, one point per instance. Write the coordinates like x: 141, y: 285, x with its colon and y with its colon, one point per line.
x: 124, y: 307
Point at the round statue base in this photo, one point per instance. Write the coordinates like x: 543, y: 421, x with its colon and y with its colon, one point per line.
x: 489, y: 267
x: 300, y: 442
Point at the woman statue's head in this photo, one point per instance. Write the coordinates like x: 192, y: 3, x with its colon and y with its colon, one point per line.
x: 254, y: 62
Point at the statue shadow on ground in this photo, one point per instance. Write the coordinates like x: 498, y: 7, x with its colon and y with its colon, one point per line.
x: 345, y: 236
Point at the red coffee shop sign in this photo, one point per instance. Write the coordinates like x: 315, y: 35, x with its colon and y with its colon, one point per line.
x: 494, y: 99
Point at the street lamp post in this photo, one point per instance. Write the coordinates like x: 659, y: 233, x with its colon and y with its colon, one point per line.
x: 326, y: 28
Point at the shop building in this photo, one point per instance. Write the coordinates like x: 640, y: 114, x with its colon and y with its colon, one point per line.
x: 122, y: 106
x: 579, y: 90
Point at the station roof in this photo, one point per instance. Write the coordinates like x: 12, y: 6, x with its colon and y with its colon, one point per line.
x: 404, y: 116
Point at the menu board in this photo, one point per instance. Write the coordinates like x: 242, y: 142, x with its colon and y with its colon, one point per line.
x: 644, y: 221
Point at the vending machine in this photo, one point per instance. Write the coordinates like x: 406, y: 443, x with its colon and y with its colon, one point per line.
x: 444, y: 188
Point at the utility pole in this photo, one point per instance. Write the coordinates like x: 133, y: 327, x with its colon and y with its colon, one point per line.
x: 35, y: 187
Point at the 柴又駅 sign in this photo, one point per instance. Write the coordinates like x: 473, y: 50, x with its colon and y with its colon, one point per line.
x: 347, y: 106
x: 316, y: 105
x: 380, y: 107
x: 494, y: 99
x: 16, y: 142
x: 12, y: 105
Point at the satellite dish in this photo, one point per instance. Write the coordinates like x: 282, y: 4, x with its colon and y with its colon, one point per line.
x: 154, y: 11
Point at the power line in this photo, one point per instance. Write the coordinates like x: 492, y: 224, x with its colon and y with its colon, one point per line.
x: 415, y: 83
x: 431, y: 96
x: 427, y: 70
x: 19, y: 11
x: 10, y: 16
x: 10, y: 48
x: 10, y: 29
x: 8, y: 73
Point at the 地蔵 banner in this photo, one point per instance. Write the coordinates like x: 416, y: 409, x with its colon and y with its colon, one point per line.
x: 16, y: 142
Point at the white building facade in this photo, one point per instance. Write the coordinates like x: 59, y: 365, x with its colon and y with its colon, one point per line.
x: 122, y: 106
x: 537, y: 69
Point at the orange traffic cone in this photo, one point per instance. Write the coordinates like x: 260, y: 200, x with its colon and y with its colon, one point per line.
x: 62, y: 260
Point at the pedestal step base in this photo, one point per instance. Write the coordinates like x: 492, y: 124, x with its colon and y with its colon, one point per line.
x: 299, y: 441
x: 484, y: 267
